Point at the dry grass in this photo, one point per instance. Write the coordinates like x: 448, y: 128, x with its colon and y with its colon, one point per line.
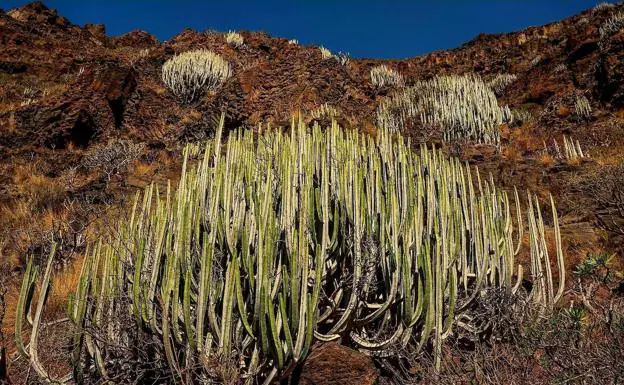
x: 7, y: 107
x: 191, y: 116
x: 64, y: 283
x: 143, y: 169
x: 512, y: 153
x: 40, y: 190
x: 573, y: 162
x: 546, y: 160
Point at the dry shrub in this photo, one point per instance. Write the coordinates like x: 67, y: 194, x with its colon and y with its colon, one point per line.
x: 133, y: 356
x: 113, y: 157
x: 605, y: 188
x: 578, y: 344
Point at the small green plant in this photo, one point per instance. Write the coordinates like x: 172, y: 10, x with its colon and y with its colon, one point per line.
x: 576, y: 314
x: 592, y: 263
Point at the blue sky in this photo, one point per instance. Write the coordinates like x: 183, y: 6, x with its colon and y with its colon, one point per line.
x: 379, y: 29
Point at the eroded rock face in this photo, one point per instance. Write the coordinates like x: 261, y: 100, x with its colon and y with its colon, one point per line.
x: 331, y: 364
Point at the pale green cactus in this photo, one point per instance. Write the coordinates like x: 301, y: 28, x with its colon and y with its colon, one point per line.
x: 284, y: 239
x: 459, y: 107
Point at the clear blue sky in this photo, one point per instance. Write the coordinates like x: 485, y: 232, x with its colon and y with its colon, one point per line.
x: 364, y: 28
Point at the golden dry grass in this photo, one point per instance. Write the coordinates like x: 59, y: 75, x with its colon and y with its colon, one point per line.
x: 191, y: 116
x: 546, y: 160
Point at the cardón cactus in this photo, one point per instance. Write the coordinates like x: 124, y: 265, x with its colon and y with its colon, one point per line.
x: 284, y: 239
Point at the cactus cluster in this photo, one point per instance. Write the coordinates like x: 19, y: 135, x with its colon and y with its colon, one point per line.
x: 383, y: 76
x: 612, y: 26
x: 325, y: 110
x: 234, y: 39
x: 500, y: 82
x: 325, y: 53
x: 462, y: 107
x: 521, y: 116
x: 283, y: 239
x: 602, y: 6
x: 582, y: 108
x: 190, y: 74
x: 571, y: 149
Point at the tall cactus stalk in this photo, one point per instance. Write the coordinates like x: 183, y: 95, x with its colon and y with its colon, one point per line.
x: 285, y: 239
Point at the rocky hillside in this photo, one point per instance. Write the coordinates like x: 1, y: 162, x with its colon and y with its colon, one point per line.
x: 70, y: 95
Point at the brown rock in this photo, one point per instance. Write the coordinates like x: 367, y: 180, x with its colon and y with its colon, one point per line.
x: 97, y: 30
x: 332, y: 363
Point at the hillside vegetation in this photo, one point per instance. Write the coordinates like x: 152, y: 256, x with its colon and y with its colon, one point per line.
x: 230, y: 207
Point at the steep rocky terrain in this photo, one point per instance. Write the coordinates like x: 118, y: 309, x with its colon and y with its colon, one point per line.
x: 67, y: 90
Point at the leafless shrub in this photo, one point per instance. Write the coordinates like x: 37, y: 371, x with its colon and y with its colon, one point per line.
x: 113, y: 157
x: 582, y: 343
x: 605, y: 187
x: 132, y: 356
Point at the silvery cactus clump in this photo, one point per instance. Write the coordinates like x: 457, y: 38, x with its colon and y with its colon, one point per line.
x: 284, y: 239
x: 190, y: 74
x: 571, y: 150
x: 234, y: 39
x: 582, y: 107
x: 612, y: 26
x: 462, y: 107
x: 325, y: 110
x: 500, y: 82
x: 325, y: 53
x: 383, y: 76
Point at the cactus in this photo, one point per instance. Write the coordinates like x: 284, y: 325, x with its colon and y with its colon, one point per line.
x: 582, y: 108
x: 325, y: 110
x: 500, y: 82
x: 611, y: 26
x: 190, y: 74
x: 571, y: 150
x: 24, y: 306
x: 461, y: 107
x: 288, y: 238
x: 234, y: 39
x: 325, y: 53
x: 383, y: 75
